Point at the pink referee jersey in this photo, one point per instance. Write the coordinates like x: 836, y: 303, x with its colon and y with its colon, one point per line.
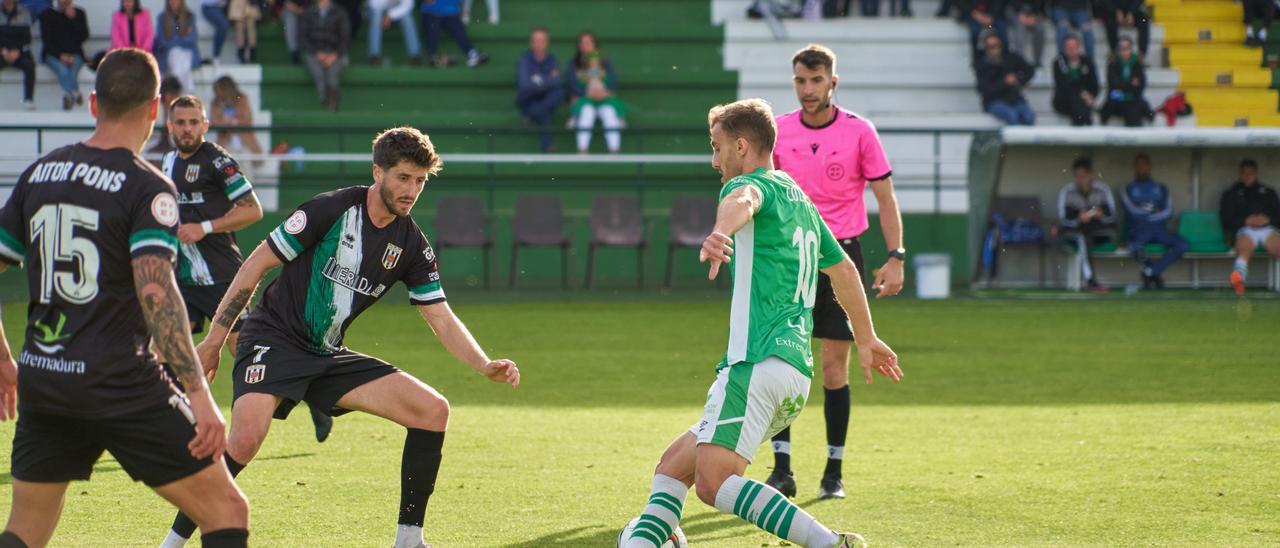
x: 832, y: 164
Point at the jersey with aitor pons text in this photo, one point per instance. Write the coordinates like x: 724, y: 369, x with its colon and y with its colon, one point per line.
x: 337, y: 264
x: 833, y: 164
x: 208, y: 182
x: 75, y: 220
x: 775, y: 263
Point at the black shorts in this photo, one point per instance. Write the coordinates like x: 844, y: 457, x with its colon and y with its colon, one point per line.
x: 829, y: 320
x: 202, y: 304
x: 270, y: 364
x: 150, y: 445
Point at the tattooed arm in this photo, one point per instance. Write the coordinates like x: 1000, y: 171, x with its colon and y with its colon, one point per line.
x: 166, y: 318
x: 238, y: 295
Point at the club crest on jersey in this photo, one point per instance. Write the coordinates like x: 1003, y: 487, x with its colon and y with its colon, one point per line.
x: 193, y: 172
x: 391, y: 257
x: 429, y: 254
x: 255, y: 373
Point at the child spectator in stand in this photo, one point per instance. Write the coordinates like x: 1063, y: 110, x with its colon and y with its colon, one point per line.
x: 594, y: 87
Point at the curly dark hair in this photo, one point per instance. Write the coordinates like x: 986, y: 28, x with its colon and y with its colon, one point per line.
x: 405, y: 143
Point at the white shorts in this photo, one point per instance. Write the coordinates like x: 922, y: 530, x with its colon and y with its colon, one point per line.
x: 749, y: 403
x: 1257, y: 234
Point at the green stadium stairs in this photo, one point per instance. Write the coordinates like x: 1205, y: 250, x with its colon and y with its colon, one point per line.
x: 667, y: 54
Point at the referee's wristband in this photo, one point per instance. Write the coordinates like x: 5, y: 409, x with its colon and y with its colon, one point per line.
x: 207, y: 226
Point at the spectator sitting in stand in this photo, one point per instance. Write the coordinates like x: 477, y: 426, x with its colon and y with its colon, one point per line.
x: 1001, y: 76
x: 539, y: 86
x: 1258, y: 15
x: 382, y: 13
x: 230, y: 108
x: 983, y: 16
x: 244, y: 16
x: 1149, y: 207
x: 448, y: 14
x: 1126, y: 82
x: 1129, y: 14
x: 1087, y: 214
x: 131, y: 26
x: 177, y: 42
x: 1250, y: 215
x: 15, y: 47
x: 594, y: 88
x: 1027, y: 30
x: 324, y: 34
x: 1073, y: 17
x: 1075, y: 84
x: 64, y: 31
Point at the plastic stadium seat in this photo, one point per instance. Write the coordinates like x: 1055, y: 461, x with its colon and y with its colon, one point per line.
x: 617, y: 221
x: 461, y: 222
x: 1203, y: 231
x: 539, y: 222
x: 692, y: 218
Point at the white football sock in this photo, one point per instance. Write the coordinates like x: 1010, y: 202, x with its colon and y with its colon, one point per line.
x: 661, y: 515
x: 771, y: 511
x: 174, y: 540
x: 1242, y: 266
x: 409, y: 536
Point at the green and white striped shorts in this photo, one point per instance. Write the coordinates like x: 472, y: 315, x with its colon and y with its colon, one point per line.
x: 749, y: 403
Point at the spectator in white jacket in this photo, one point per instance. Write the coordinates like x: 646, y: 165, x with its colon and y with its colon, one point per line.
x: 382, y: 13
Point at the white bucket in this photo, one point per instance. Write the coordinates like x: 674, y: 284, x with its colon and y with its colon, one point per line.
x: 933, y: 275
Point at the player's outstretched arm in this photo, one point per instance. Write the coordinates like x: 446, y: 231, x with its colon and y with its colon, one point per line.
x: 457, y: 339
x: 238, y: 295
x: 733, y: 213
x: 166, y: 318
x: 873, y: 353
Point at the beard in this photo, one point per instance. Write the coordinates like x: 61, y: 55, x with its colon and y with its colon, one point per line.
x: 188, y: 149
x: 389, y: 201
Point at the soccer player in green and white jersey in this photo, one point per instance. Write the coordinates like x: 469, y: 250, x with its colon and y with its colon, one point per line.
x: 771, y: 236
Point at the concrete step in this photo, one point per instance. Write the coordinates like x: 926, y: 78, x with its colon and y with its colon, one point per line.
x: 1198, y: 12
x: 1203, y: 32
x: 48, y: 94
x: 1201, y: 76
x: 1214, y: 55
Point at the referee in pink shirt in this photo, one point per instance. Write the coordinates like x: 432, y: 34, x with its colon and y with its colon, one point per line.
x: 833, y: 154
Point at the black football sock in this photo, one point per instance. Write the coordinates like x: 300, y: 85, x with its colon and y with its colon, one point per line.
x: 836, y: 410
x: 782, y: 451
x: 10, y: 540
x: 225, y: 538
x: 419, y: 466
x: 182, y: 525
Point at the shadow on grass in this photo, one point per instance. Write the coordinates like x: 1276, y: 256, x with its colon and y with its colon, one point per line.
x: 707, y: 528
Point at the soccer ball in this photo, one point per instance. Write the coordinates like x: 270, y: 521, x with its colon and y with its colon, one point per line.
x: 676, y: 540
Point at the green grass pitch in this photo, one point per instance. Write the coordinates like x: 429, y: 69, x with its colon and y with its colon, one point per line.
x: 1020, y: 423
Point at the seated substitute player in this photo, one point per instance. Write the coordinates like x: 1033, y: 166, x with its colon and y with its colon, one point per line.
x: 215, y: 200
x: 1250, y: 216
x: 340, y: 252
x: 94, y: 224
x: 769, y: 232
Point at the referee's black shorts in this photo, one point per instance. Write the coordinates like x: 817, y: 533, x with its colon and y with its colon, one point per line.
x: 829, y: 321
